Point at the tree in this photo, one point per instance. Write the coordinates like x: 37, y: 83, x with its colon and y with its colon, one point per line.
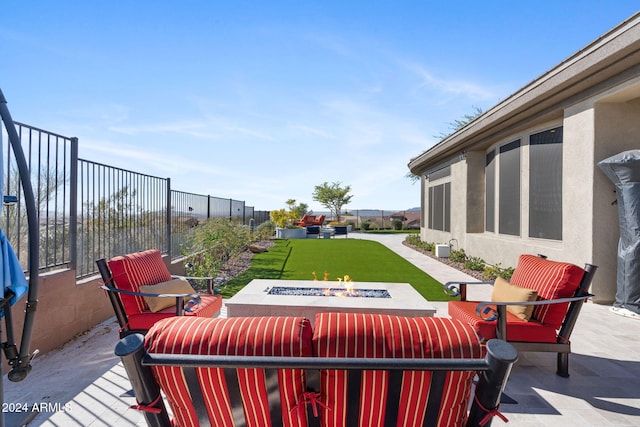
x: 299, y: 210
x: 453, y: 127
x: 332, y: 196
x: 460, y: 123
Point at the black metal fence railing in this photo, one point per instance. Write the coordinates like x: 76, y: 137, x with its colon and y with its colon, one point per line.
x: 49, y: 158
x: 122, y: 211
x: 88, y: 210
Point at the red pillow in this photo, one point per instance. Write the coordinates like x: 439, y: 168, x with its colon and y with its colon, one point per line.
x: 131, y: 271
x: 244, y: 336
x: 552, y: 280
x: 373, y: 335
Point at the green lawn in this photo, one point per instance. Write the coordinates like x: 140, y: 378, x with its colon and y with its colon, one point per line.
x: 363, y: 260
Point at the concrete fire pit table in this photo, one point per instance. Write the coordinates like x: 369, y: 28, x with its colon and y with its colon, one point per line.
x: 266, y: 297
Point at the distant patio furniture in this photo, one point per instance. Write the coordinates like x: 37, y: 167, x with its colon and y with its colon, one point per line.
x: 319, y: 221
x: 313, y: 231
x: 535, y: 312
x: 306, y: 220
x: 340, y: 230
x: 142, y: 291
x: 345, y: 371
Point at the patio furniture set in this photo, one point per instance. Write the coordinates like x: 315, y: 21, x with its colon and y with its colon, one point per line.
x: 314, y: 226
x: 285, y: 370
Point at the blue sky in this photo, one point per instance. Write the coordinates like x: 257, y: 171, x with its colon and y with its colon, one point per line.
x: 261, y: 101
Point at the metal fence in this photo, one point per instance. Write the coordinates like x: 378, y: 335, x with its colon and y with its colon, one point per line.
x: 88, y: 210
x: 49, y: 158
x: 121, y: 212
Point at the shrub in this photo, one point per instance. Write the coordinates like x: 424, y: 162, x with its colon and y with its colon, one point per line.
x: 213, y: 242
x: 458, y: 255
x: 366, y: 225
x: 492, y: 271
x: 475, y: 263
x: 414, y: 240
x: 265, y: 230
x: 397, y: 224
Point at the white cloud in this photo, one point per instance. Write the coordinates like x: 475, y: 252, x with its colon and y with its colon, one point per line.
x: 456, y: 87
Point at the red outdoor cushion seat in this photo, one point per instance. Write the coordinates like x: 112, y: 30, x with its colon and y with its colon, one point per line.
x: 376, y: 336
x: 518, y: 330
x: 238, y: 336
x: 208, y: 306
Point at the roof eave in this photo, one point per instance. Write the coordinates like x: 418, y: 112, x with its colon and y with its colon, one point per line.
x: 611, y: 54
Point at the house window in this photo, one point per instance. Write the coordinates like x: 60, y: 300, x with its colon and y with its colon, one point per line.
x: 440, y: 201
x: 509, y: 189
x: 440, y: 207
x: 545, y: 185
x: 490, y: 191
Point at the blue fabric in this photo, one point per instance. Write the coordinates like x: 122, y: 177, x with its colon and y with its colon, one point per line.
x: 11, y: 273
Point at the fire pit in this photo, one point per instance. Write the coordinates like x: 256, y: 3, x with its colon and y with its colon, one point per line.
x: 330, y: 292
x: 264, y: 297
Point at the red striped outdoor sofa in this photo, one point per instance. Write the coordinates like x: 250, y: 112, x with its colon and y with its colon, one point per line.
x: 353, y: 369
x: 537, y: 311
x: 125, y: 276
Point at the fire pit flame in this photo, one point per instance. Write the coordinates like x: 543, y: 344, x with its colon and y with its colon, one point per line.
x: 349, y: 292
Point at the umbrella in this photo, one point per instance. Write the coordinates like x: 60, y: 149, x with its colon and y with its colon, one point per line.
x: 13, y: 282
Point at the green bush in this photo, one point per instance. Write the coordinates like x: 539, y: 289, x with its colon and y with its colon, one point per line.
x: 414, y: 240
x: 366, y: 225
x: 458, y: 255
x: 265, y: 230
x: 213, y: 242
x: 396, y: 224
x: 475, y: 263
x: 490, y: 272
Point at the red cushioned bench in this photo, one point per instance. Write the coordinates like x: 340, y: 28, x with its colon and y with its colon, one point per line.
x: 552, y: 291
x: 353, y: 369
x: 142, y: 292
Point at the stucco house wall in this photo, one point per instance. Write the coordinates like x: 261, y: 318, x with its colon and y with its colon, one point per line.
x: 595, y: 97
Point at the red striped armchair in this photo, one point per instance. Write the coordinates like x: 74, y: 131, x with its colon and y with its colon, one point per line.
x: 142, y: 292
x: 536, y: 311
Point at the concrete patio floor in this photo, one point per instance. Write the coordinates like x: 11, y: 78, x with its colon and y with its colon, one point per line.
x: 83, y: 383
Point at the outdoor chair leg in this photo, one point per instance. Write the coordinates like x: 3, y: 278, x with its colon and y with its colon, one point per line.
x: 563, y: 365
x: 147, y: 391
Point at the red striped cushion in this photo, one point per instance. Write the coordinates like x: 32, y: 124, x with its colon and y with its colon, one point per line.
x: 517, y: 329
x: 251, y: 336
x: 372, y: 335
x: 209, y: 306
x: 552, y: 280
x: 134, y: 270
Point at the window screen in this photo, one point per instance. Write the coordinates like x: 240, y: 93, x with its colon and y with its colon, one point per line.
x: 440, y: 207
x: 430, y: 219
x: 490, y: 192
x: 545, y: 185
x: 509, y: 189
